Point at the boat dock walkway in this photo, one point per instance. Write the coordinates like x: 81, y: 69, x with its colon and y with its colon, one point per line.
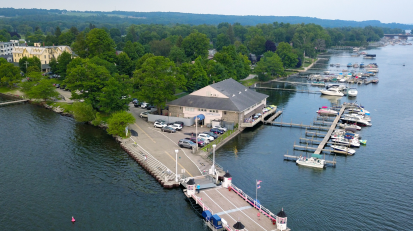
x: 330, y: 131
x: 232, y: 205
x: 282, y: 124
x: 286, y: 89
x: 273, y: 117
x: 330, y: 151
x: 13, y: 102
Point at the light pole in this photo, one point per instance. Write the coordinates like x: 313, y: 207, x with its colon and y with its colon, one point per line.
x: 176, y: 165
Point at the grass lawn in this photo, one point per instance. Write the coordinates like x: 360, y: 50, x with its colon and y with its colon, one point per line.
x: 217, y: 140
x: 249, y: 82
x: 67, y: 107
x: 4, y: 89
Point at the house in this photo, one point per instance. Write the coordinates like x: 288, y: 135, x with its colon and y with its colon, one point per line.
x: 6, y: 48
x: 45, y: 54
x: 227, y: 100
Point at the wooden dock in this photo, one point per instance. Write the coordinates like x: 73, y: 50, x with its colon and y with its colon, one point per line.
x: 286, y: 89
x: 13, y: 102
x: 331, y: 151
x: 312, y: 141
x: 330, y: 131
x: 315, y: 134
x: 273, y: 117
x: 281, y: 124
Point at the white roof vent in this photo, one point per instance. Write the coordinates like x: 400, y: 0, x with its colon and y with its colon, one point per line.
x: 240, y: 92
x: 233, y: 95
x: 245, y: 89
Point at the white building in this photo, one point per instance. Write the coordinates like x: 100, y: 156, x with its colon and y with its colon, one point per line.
x: 6, y: 48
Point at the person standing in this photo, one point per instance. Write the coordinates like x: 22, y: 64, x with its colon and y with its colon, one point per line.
x: 198, y: 187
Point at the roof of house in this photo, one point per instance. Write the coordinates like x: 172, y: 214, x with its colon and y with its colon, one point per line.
x: 239, y: 97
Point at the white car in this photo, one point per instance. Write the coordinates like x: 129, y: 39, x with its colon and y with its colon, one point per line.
x: 221, y: 128
x: 159, y: 125
x: 143, y: 105
x: 205, y: 137
x: 177, y: 127
x: 144, y: 114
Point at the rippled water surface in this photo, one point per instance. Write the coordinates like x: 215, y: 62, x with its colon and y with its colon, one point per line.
x: 52, y: 167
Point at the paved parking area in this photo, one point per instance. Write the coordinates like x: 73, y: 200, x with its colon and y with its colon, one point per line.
x: 162, y: 145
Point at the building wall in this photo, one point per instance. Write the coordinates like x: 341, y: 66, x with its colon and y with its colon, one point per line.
x: 6, y: 48
x: 176, y: 111
x: 209, y: 92
x: 231, y: 116
x: 45, y: 54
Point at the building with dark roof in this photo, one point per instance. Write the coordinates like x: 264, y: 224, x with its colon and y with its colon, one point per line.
x: 227, y: 100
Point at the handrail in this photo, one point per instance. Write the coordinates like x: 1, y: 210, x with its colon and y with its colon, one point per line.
x: 250, y: 200
x: 199, y: 201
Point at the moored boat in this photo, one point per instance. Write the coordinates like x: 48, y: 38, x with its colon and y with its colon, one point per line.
x: 349, y: 151
x: 332, y: 91
x: 352, y: 92
x: 344, y: 125
x: 314, y: 161
x: 347, y: 142
x: 326, y: 111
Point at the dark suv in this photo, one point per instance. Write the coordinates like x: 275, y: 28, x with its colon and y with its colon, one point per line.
x: 184, y: 143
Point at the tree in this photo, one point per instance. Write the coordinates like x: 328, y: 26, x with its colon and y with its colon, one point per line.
x: 124, y: 64
x: 66, y: 38
x: 134, y: 50
x: 160, y: 48
x: 114, y: 96
x: 270, y: 66
x: 197, y: 77
x: 83, y: 112
x: 196, y: 44
x: 100, y: 44
x: 179, y: 41
x: 43, y: 90
x: 158, y: 78
x: 236, y: 65
x: 270, y: 46
x: 34, y: 61
x: 285, y: 52
x: 257, y: 45
x: 230, y: 33
x: 177, y: 55
x: 222, y: 41
x: 62, y: 61
x: 87, y: 77
x: 57, y: 32
x: 31, y: 69
x: 118, y: 122
x: 80, y: 46
x: 9, y: 75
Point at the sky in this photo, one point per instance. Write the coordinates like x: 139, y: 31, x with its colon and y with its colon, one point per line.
x: 386, y: 11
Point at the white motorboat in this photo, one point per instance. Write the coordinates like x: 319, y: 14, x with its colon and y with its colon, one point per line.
x: 326, y: 111
x: 363, y: 116
x: 352, y: 92
x: 352, y: 142
x: 314, y: 161
x: 349, y: 151
x: 358, y: 121
x: 344, y: 125
x: 332, y: 91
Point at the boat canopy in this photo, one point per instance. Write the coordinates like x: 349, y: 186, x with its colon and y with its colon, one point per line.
x: 324, y: 107
x: 317, y: 156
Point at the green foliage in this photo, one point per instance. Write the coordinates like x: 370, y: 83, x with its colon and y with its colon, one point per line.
x: 237, y: 66
x: 114, y: 96
x: 270, y: 66
x: 158, y: 78
x: 83, y: 112
x: 161, y: 48
x: 4, y: 35
x: 34, y: 61
x: 196, y: 44
x: 177, y: 55
x: 62, y: 61
x: 257, y: 45
x: 222, y: 41
x: 9, y: 75
x: 196, y: 76
x: 134, y: 50
x: 288, y: 57
x: 124, y: 64
x: 118, y: 122
x: 43, y: 90
x: 100, y: 44
x: 88, y: 77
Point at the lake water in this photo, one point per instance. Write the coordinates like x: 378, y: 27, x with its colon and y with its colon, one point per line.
x: 52, y: 168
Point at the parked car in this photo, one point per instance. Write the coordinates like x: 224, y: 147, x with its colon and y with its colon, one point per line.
x: 177, y: 127
x: 201, y: 143
x: 57, y: 85
x: 136, y: 105
x: 212, y: 134
x: 184, y: 143
x: 159, y: 125
x: 220, y: 127
x: 206, y: 136
x: 168, y: 129
x: 144, y: 114
x: 149, y: 107
x: 216, y: 131
x: 180, y: 122
x: 143, y: 105
x: 135, y: 101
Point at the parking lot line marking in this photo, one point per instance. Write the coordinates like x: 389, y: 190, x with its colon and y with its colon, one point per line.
x: 145, y: 133
x: 179, y: 164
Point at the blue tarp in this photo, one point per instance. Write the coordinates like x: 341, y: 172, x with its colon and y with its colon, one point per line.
x: 200, y: 117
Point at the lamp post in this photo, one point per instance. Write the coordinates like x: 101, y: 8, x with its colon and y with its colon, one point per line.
x: 176, y: 165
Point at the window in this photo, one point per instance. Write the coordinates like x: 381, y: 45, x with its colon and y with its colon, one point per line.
x: 189, y: 109
x: 45, y: 56
x: 225, y: 112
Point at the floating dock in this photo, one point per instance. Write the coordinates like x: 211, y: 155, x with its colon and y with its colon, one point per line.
x: 13, y: 102
x: 294, y: 158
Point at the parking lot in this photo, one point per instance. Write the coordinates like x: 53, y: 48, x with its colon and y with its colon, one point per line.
x: 162, y: 145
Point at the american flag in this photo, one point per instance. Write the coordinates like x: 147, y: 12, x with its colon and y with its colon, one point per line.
x: 258, y: 184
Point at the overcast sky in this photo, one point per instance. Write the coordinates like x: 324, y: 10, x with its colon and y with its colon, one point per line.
x: 386, y: 11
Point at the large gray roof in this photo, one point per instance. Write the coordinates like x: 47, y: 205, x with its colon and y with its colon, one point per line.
x: 239, y: 97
